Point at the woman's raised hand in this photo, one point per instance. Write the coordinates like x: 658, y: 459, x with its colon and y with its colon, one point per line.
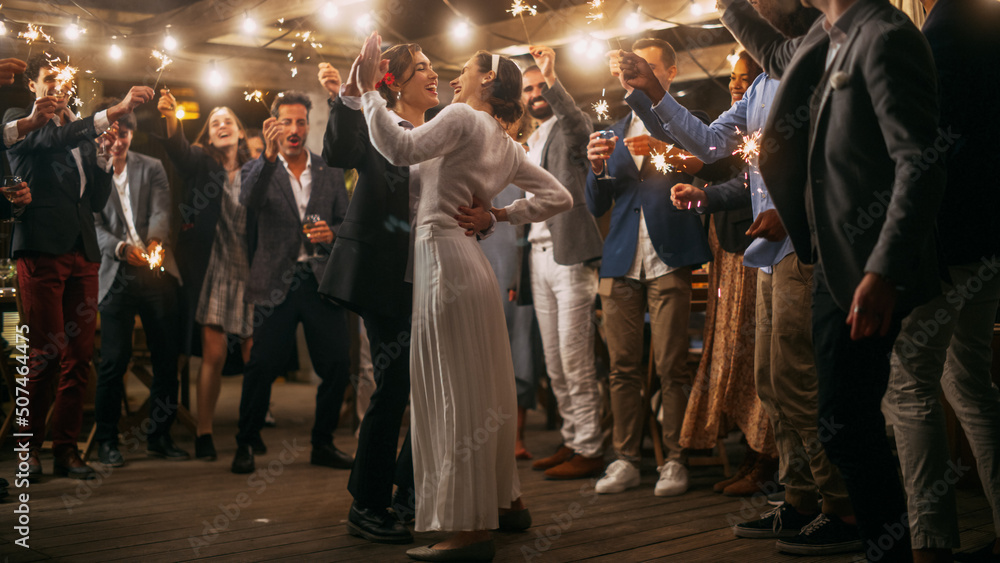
x: 371, y: 70
x: 167, y: 104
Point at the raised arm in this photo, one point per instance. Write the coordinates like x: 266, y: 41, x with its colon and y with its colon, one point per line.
x: 346, y: 141
x: 402, y: 147
x: 765, y: 43
x: 576, y: 125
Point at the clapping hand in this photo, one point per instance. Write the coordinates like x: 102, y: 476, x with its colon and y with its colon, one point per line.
x: 371, y: 67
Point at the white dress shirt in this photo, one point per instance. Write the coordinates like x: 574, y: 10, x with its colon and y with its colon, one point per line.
x: 124, y: 196
x: 646, y: 264
x: 302, y: 190
x: 539, y: 234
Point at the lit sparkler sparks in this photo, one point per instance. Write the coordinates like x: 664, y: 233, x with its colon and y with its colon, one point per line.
x: 256, y: 96
x: 154, y: 258
x: 65, y: 80
x: 165, y: 61
x: 601, y: 109
x: 596, y: 10
x: 34, y: 33
x: 517, y: 9
x: 749, y: 149
x: 659, y: 160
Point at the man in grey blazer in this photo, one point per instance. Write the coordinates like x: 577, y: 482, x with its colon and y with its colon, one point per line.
x: 283, y: 190
x: 563, y: 257
x: 136, y: 220
x: 853, y: 171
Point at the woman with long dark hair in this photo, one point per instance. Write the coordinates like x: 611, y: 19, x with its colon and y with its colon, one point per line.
x: 211, y: 249
x: 461, y: 376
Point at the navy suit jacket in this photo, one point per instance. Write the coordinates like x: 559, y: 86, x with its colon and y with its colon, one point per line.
x: 275, y: 228
x: 58, y: 216
x: 678, y: 236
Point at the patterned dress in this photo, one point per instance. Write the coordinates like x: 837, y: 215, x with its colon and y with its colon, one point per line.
x: 724, y: 392
x: 221, y: 301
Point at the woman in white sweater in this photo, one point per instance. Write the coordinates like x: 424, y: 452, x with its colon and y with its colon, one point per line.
x: 463, y: 401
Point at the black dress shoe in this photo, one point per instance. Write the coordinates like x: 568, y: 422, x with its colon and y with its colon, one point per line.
x: 109, y: 454
x: 243, y: 462
x: 329, y: 456
x: 515, y: 521
x: 376, y: 526
x: 204, y: 448
x: 163, y: 446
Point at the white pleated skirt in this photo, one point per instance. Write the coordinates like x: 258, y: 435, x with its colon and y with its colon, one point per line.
x: 463, y: 400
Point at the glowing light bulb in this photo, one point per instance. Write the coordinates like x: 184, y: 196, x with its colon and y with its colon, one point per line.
x: 330, y: 10
x: 169, y: 43
x: 180, y: 113
x: 461, y: 30
x: 249, y: 25
x: 115, y: 52
x: 364, y: 23
x: 73, y: 31
x: 633, y: 22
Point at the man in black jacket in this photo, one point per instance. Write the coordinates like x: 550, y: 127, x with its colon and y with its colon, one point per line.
x: 58, y: 256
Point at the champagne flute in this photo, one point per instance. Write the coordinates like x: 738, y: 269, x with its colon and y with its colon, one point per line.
x: 606, y: 135
x: 11, y: 185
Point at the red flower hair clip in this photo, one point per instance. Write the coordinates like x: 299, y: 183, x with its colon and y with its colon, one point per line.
x: 387, y: 80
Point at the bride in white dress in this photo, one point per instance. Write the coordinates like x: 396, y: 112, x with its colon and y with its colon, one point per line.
x: 463, y: 403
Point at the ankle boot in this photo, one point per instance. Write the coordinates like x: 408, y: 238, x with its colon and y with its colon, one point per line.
x: 757, y: 480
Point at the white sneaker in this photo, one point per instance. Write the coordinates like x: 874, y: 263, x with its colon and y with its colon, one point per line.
x: 673, y: 480
x: 620, y: 475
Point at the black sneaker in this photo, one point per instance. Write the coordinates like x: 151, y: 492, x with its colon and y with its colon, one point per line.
x: 164, y: 447
x: 824, y: 536
x: 781, y: 522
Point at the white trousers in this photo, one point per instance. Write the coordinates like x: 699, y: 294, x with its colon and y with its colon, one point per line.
x: 564, y: 305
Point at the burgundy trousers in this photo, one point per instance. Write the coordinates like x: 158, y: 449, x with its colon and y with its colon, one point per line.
x: 59, y: 298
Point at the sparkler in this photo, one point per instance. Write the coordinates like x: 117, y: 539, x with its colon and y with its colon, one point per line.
x: 749, y: 149
x: 256, y: 96
x: 165, y: 61
x: 659, y: 160
x: 601, y: 107
x: 517, y: 9
x: 597, y: 14
x: 155, y: 258
x: 34, y: 33
x: 65, y: 81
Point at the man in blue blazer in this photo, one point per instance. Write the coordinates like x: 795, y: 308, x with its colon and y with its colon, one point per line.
x: 132, y: 224
x: 58, y: 255
x: 288, y: 254
x: 649, y: 254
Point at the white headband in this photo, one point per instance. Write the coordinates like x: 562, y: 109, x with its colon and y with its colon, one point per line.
x: 496, y: 64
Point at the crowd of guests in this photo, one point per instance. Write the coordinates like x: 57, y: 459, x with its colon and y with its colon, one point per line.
x: 852, y: 278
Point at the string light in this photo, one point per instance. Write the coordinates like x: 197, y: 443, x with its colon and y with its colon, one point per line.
x: 460, y: 30
x: 249, y: 25
x: 329, y: 11
x: 180, y: 113
x: 169, y: 43
x: 633, y: 22
x: 214, y: 78
x: 364, y: 23
x: 115, y: 52
x: 73, y: 31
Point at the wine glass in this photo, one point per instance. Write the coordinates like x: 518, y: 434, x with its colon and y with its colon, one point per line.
x: 11, y: 185
x: 310, y: 221
x: 606, y: 135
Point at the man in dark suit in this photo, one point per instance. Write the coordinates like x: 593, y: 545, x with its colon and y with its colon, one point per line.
x: 564, y: 251
x: 649, y: 254
x: 58, y: 255
x: 134, y: 222
x: 857, y: 181
x: 288, y: 253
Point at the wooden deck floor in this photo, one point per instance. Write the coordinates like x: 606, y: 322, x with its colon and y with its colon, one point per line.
x: 154, y: 510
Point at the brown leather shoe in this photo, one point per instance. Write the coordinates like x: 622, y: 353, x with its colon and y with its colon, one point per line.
x: 578, y: 467
x: 562, y: 455
x: 756, y: 481
x: 749, y: 460
x: 69, y: 464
